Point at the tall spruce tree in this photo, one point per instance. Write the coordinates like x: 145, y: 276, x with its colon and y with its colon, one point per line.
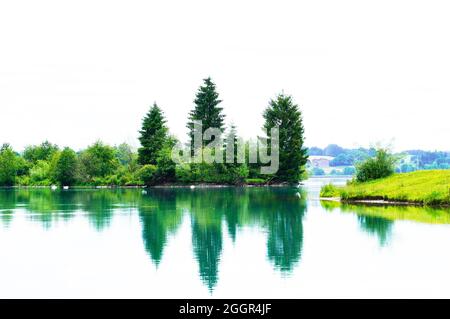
x: 154, y: 135
x: 232, y: 144
x: 206, y: 109
x: 282, y: 111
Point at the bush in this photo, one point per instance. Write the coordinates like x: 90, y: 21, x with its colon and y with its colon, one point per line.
x: 382, y: 165
x: 165, y: 166
x: 237, y: 174
x: 40, y: 174
x: 147, y: 174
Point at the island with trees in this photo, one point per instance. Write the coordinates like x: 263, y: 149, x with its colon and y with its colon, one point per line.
x: 151, y: 165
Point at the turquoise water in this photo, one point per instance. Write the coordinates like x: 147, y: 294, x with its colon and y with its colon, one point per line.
x: 221, y: 242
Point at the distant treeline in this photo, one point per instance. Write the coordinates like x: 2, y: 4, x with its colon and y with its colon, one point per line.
x: 410, y: 160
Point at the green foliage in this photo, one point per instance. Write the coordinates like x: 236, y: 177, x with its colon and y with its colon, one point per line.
x: 165, y: 166
x: 183, y: 173
x: 98, y: 160
x: 65, y: 167
x: 285, y: 114
x: 9, y: 165
x: 329, y: 190
x: 40, y: 174
x: 154, y: 135
x: 147, y: 174
x: 43, y: 152
x: 382, y: 165
x: 206, y: 109
x: 211, y: 173
x: 125, y: 154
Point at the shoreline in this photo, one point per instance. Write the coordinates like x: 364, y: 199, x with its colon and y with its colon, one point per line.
x: 378, y: 202
x: 193, y: 185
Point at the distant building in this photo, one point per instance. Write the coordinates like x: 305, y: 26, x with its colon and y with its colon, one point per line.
x: 320, y: 161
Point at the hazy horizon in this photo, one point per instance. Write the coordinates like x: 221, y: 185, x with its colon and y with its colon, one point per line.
x: 76, y: 74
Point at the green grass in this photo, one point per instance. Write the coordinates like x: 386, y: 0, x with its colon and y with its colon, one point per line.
x: 422, y: 187
x: 329, y: 190
x: 255, y: 181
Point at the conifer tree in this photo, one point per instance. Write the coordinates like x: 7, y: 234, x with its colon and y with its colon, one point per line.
x: 206, y: 109
x: 232, y: 145
x: 285, y: 114
x: 154, y: 134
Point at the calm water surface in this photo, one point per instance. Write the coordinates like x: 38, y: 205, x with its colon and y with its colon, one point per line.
x: 230, y: 242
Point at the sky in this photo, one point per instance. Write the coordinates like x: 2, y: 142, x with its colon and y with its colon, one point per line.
x: 362, y: 72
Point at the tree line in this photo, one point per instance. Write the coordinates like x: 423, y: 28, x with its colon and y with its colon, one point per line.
x: 100, y: 164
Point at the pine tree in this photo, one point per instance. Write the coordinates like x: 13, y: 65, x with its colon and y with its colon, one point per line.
x: 232, y: 144
x: 283, y: 112
x: 206, y: 109
x: 236, y: 171
x: 153, y: 137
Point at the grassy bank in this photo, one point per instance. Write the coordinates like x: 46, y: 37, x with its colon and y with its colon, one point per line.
x: 421, y: 187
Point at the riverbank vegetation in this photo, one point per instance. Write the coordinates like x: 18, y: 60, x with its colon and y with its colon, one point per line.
x: 430, y: 187
x: 100, y: 164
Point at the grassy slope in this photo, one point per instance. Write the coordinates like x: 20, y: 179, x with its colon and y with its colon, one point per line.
x: 426, y: 187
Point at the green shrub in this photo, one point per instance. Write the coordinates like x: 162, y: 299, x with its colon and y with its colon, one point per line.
x: 329, y: 190
x: 40, y: 174
x: 434, y: 198
x: 237, y: 174
x: 23, y: 180
x: 147, y: 174
x: 183, y: 173
x: 382, y: 165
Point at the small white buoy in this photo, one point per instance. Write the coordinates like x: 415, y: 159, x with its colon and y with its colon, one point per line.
x: 192, y: 186
x: 54, y: 187
x: 144, y: 192
x: 66, y: 187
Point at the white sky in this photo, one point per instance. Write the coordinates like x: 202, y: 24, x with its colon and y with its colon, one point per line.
x: 362, y: 71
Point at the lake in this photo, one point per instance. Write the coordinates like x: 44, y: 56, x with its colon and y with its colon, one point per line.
x: 217, y: 242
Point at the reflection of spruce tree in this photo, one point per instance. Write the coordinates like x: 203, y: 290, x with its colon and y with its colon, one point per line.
x: 377, y: 226
x: 282, y: 212
x: 159, y: 217
x: 284, y: 244
x: 233, y: 209
x: 207, y: 242
x: 207, y: 212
